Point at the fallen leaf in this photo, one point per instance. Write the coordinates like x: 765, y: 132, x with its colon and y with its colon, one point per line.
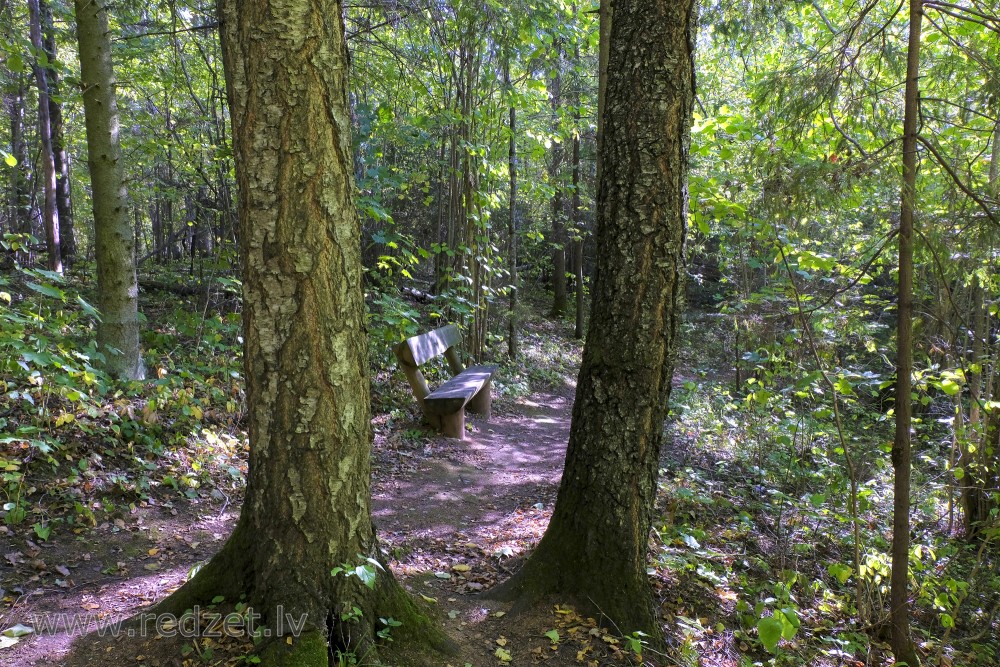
x: 18, y: 630
x: 461, y: 567
x: 153, y: 551
x: 63, y: 570
x: 501, y: 641
x: 502, y: 655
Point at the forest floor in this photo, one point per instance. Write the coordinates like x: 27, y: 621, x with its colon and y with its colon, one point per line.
x: 747, y: 528
x: 454, y: 516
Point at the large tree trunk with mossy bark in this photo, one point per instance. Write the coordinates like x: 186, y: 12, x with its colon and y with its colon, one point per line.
x: 307, y: 508
x: 117, y: 288
x: 595, y: 548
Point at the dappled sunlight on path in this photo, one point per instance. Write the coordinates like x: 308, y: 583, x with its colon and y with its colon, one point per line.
x: 512, y: 462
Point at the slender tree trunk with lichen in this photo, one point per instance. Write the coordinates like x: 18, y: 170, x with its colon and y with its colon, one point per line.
x: 594, y: 550
x: 118, y: 290
x: 64, y: 203
x: 307, y: 508
x: 50, y: 210
x: 899, y: 607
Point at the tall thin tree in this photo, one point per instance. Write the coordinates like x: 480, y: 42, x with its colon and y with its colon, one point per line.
x: 60, y: 156
x: 118, y: 292
x: 902, y: 644
x: 50, y: 210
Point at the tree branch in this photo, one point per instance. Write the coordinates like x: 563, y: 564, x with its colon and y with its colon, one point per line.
x: 958, y: 181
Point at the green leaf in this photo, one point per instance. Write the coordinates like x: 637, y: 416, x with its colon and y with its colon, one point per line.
x: 366, y: 573
x: 789, y: 622
x: 840, y: 571
x: 87, y: 308
x: 950, y: 387
x: 553, y: 636
x: 769, y: 630
x: 11, y: 161
x: 47, y: 290
x: 42, y: 531
x: 503, y: 655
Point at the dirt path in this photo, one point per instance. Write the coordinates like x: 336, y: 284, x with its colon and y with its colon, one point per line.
x: 437, y: 504
x: 468, y: 488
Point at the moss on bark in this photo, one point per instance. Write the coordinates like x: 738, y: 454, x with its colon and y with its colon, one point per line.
x: 308, y: 650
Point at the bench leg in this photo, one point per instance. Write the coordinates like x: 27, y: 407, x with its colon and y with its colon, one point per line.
x: 453, y: 425
x: 481, y: 402
x: 433, y: 420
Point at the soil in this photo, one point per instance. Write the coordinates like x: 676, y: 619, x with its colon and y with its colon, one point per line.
x: 454, y: 517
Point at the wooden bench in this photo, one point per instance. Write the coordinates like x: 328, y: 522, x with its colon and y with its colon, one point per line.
x: 469, y: 389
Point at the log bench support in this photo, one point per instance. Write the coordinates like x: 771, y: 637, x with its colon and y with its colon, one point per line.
x: 469, y: 389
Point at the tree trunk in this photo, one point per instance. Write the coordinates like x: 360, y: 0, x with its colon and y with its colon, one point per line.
x: 18, y: 187
x: 64, y: 202
x: 555, y: 175
x: 50, y: 211
x: 971, y: 487
x: 595, y: 547
x: 512, y: 342
x: 577, y: 211
x: 307, y: 508
x: 118, y: 293
x: 902, y: 644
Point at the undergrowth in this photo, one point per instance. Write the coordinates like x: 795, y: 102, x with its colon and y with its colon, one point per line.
x: 754, y: 543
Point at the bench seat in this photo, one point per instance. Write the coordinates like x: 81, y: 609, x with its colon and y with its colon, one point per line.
x: 469, y: 388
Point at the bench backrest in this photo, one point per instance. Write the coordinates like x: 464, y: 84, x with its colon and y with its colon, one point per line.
x: 418, y: 350
x: 421, y: 349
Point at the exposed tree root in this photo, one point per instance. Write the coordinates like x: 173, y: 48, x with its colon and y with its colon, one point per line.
x: 418, y: 641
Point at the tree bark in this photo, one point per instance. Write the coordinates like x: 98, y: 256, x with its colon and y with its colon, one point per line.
x: 512, y: 340
x: 50, y: 211
x: 307, y: 508
x: 577, y: 213
x: 118, y: 293
x: 555, y: 175
x: 902, y: 644
x: 64, y: 202
x: 595, y: 547
x: 18, y: 201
